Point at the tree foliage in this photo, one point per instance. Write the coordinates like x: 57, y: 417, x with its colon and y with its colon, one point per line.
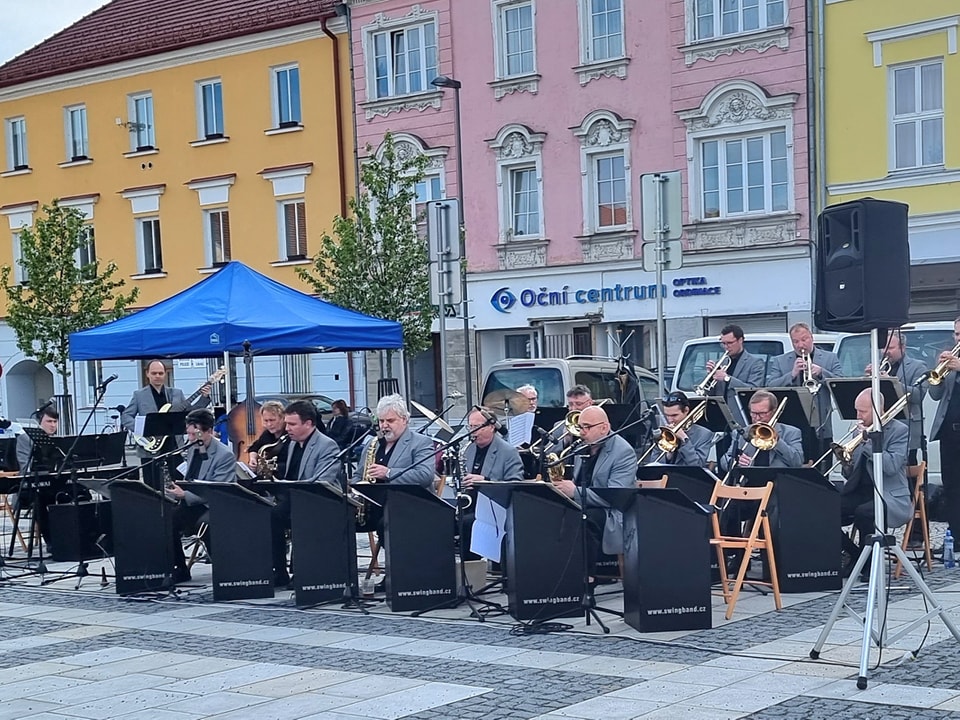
x: 375, y: 261
x: 61, y: 295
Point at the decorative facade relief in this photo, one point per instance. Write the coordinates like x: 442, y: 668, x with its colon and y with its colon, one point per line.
x: 742, y: 233
x: 387, y: 106
x: 525, y: 83
x: 756, y: 41
x: 608, y: 68
x: 520, y: 254
x: 607, y: 247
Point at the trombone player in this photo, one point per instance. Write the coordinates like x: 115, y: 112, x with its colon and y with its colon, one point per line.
x: 946, y: 427
x: 693, y: 441
x: 785, y: 444
x: 808, y: 366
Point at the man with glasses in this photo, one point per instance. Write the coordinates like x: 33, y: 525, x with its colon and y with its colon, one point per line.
x: 908, y: 371
x: 745, y: 371
x: 788, y: 452
x: 609, y: 462
x: 695, y: 441
x: 790, y: 370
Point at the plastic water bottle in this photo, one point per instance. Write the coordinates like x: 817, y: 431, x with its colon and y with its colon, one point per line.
x: 948, y: 561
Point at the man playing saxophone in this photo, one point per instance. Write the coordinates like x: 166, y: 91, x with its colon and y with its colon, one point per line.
x: 401, y: 455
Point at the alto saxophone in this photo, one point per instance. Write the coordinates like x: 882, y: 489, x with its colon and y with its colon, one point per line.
x: 464, y: 499
x: 369, y: 459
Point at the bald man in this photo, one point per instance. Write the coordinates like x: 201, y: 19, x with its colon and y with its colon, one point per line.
x: 609, y: 462
x: 857, y: 494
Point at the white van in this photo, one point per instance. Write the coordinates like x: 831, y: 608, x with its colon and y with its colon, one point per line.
x: 552, y: 377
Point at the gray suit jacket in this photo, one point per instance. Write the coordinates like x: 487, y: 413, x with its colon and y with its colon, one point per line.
x: 896, y: 491
x: 692, y: 452
x: 218, y: 465
x: 24, y: 452
x: 414, y: 451
x: 502, y: 462
x: 747, y: 374
x: 779, y: 375
x: 319, y: 456
x: 908, y: 373
x: 142, y: 403
x: 788, y: 452
x: 616, y: 467
x: 941, y: 393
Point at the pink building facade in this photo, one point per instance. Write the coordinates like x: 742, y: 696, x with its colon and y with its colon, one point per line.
x: 565, y: 105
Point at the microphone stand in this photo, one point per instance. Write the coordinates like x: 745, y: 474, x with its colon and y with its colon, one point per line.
x: 31, y: 478
x: 352, y: 598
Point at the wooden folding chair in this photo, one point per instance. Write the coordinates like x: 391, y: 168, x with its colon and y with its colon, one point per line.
x: 919, y: 513
x: 8, y: 509
x: 195, y: 544
x: 759, y: 538
x: 659, y: 484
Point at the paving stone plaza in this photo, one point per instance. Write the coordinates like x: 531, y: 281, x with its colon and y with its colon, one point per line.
x: 87, y: 653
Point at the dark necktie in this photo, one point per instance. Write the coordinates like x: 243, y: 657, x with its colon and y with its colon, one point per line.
x: 293, y: 470
x: 193, y: 471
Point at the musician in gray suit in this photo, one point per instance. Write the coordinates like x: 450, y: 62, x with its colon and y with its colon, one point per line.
x: 695, y: 441
x: 610, y: 462
x: 857, y: 494
x: 788, y: 451
x: 207, y: 460
x: 908, y: 371
x: 402, y: 456
x: 946, y: 429
x: 149, y: 399
x: 790, y: 370
x: 745, y: 371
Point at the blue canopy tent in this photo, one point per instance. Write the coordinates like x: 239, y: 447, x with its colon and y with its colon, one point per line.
x: 236, y: 304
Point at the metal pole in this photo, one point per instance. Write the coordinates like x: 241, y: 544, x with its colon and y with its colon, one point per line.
x: 467, y: 364
x: 443, y: 245
x: 661, y: 251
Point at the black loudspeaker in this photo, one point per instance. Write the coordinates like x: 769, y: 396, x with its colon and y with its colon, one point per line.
x: 863, y: 266
x: 76, y: 531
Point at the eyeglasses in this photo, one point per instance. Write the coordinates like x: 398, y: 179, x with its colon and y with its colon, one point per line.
x: 728, y: 343
x: 760, y: 413
x: 583, y: 426
x: 474, y: 428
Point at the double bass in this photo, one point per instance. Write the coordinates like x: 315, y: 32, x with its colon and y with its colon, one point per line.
x: 244, y: 424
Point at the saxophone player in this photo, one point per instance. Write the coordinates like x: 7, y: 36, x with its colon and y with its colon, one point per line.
x: 401, y: 455
x: 274, y: 430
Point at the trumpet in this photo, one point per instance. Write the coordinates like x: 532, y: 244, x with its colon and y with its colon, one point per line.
x: 885, y: 366
x: 935, y: 376
x: 762, y: 435
x: 809, y: 382
x: 710, y: 381
x: 668, y: 442
x: 844, y: 449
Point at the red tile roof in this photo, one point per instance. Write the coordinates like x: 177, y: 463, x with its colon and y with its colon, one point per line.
x: 126, y: 29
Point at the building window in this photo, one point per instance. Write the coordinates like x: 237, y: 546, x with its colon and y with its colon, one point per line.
x: 217, y: 233
x: 605, y: 168
x: 524, y: 202
x: 286, y: 96
x: 210, y: 109
x: 19, y: 271
x: 610, y: 188
x: 719, y: 18
x: 295, y: 374
x: 94, y: 376
x: 293, y: 235
x: 404, y: 60
x: 149, y: 252
x: 602, y: 30
x: 744, y: 175
x: 75, y: 122
x: 917, y: 119
x: 515, y: 39
x: 87, y: 252
x: 16, y: 136
x: 517, y: 346
x: 520, y: 182
x: 140, y: 122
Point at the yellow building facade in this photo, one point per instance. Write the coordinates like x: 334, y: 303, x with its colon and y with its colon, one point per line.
x: 890, y: 111
x: 184, y: 156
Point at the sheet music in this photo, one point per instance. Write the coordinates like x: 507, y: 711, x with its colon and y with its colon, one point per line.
x: 488, y: 527
x: 138, y: 422
x: 520, y: 428
x: 182, y: 468
x: 244, y: 471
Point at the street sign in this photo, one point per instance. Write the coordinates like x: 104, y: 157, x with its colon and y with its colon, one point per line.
x: 672, y: 255
x: 661, y: 198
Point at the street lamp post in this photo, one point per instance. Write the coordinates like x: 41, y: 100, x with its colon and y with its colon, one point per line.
x: 441, y: 81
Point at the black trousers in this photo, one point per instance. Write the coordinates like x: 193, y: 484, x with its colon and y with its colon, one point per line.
x: 949, y: 437
x: 857, y: 507
x: 185, y: 519
x: 279, y: 524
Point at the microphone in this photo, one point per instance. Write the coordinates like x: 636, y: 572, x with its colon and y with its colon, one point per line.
x: 922, y: 379
x: 107, y: 381
x: 42, y: 408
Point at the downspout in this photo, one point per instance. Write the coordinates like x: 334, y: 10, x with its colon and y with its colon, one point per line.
x: 816, y: 132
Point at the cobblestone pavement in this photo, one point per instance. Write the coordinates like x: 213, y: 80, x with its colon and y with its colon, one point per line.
x: 88, y: 653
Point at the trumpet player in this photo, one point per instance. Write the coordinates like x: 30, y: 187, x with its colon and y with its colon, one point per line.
x: 787, y: 448
x: 910, y: 372
x: 609, y: 462
x: 857, y: 493
x: 695, y: 440
x: 946, y: 429
x: 744, y: 371
x: 807, y: 365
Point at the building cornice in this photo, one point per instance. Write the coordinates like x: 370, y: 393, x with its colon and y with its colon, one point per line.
x: 896, y: 182
x: 911, y: 30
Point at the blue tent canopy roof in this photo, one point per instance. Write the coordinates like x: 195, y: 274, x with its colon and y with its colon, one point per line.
x: 223, y: 310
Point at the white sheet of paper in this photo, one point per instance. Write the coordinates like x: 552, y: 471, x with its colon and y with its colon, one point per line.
x: 488, y: 528
x: 182, y: 468
x: 520, y: 428
x: 138, y: 423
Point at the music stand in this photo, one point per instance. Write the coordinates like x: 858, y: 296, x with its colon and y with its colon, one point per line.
x: 548, y: 417
x: 44, y: 455
x: 845, y: 391
x: 622, y: 415
x: 718, y: 418
x: 169, y: 424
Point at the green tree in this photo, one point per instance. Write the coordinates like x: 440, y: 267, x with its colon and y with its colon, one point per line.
x: 375, y: 261
x: 65, y: 289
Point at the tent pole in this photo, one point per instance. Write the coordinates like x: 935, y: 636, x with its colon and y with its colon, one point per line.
x: 229, y: 381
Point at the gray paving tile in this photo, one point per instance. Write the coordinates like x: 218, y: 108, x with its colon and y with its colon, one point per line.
x: 299, y: 682
x: 606, y: 707
x: 117, y: 705
x: 216, y: 703
x: 405, y: 702
x: 36, y: 686
x: 24, y: 707
x: 97, y: 690
x: 230, y: 679
x: 287, y: 708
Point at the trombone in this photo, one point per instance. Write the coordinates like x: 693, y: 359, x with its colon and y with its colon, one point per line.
x: 809, y: 381
x: 570, y: 425
x: 762, y: 435
x: 935, y: 376
x: 710, y: 381
x: 844, y: 449
x: 668, y: 442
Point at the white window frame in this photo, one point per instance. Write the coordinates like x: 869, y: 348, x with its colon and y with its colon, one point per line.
x: 723, y: 172
x: 517, y: 148
x: 277, y: 114
x: 500, y: 8
x: 210, y: 240
x: 19, y: 273
x: 83, y: 257
x: 141, y: 122
x: 406, y: 144
x: 93, y: 376
x: 71, y: 129
x: 586, y: 15
x: 282, y: 230
x: 917, y: 118
x: 717, y: 14
x: 16, y: 143
x: 603, y: 134
x: 157, y: 241
x: 388, y: 30
x: 218, y: 130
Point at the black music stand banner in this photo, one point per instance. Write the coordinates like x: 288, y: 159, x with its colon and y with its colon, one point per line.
x: 718, y: 417
x: 544, y: 552
x: 845, y: 391
x: 804, y: 513
x: 241, y: 552
x: 142, y: 528
x: 324, y: 539
x: 418, y: 543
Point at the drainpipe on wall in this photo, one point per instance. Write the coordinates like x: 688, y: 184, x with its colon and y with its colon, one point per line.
x: 816, y: 174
